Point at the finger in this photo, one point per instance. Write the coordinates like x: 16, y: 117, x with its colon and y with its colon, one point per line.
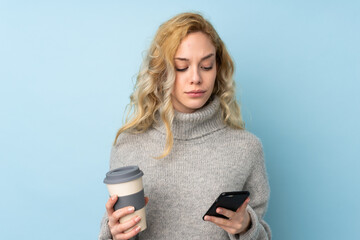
x: 146, y: 200
x: 114, y: 218
x: 243, y: 207
x: 130, y: 234
x: 123, y: 227
x: 228, y: 229
x: 110, y: 205
x: 226, y: 225
x: 226, y: 212
x: 218, y: 221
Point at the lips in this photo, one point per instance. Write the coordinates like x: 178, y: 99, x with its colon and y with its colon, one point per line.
x: 196, y: 93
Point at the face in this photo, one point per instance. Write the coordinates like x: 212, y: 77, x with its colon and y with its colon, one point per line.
x: 195, y: 66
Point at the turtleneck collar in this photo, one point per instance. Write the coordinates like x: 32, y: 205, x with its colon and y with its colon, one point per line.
x: 197, y: 124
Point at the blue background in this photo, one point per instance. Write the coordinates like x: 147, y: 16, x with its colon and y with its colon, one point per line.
x: 67, y: 69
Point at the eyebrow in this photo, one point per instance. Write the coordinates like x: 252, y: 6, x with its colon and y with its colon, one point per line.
x: 202, y: 59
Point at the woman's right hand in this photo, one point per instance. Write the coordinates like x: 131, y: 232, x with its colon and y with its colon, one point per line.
x: 118, y: 229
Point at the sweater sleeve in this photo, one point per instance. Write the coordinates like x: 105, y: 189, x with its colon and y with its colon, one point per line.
x: 258, y: 186
x: 115, y: 161
x: 105, y: 233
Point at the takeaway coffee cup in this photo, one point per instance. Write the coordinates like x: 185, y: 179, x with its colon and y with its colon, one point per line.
x: 126, y: 183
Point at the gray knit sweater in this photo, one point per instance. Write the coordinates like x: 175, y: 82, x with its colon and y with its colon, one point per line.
x: 207, y: 158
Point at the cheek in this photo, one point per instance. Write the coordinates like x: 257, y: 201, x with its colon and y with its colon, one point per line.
x: 213, y: 83
x: 212, y: 78
x: 176, y: 86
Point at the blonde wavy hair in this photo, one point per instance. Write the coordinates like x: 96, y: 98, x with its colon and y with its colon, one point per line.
x: 155, y: 81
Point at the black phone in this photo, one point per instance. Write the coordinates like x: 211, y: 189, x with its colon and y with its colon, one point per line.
x: 228, y: 200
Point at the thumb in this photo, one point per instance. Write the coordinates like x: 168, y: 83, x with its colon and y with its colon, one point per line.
x: 243, y: 207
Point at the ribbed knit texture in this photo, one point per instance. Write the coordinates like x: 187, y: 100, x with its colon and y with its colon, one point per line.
x: 207, y: 158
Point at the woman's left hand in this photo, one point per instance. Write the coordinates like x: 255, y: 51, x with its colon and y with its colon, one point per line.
x: 238, y: 221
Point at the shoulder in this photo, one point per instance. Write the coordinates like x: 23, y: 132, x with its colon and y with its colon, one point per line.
x: 243, y: 142
x: 243, y: 136
x: 126, y: 137
x: 126, y: 143
x: 129, y: 141
x: 130, y: 148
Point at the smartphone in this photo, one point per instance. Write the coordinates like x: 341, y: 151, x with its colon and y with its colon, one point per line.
x: 228, y: 200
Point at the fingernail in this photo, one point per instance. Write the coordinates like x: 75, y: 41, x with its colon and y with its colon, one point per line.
x: 130, y: 209
x: 137, y: 219
x: 207, y: 218
x: 113, y: 197
x: 138, y: 228
x: 218, y: 210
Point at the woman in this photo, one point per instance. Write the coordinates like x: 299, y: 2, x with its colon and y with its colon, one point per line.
x: 186, y: 134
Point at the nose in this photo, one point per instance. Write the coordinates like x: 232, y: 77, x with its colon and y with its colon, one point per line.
x: 195, y: 76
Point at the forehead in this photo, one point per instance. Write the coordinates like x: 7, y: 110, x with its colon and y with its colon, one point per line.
x: 195, y: 44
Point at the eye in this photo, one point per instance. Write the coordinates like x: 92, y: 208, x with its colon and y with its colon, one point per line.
x: 181, y: 69
x: 207, y: 68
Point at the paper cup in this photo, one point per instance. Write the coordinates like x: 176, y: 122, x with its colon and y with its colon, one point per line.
x: 126, y: 183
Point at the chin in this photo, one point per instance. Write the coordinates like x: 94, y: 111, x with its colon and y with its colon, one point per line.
x: 197, y: 105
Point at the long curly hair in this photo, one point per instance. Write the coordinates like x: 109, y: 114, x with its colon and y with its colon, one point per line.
x: 155, y: 80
